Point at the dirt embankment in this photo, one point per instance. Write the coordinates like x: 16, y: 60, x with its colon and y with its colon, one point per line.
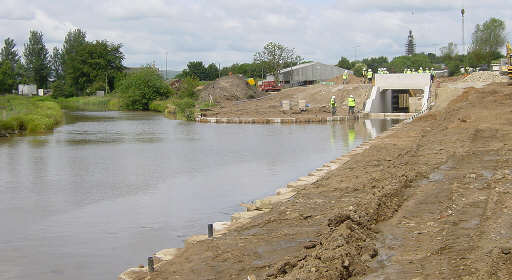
x: 316, y: 96
x: 430, y: 201
x: 227, y: 89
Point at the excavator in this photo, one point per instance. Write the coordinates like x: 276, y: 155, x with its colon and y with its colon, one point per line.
x: 509, y: 60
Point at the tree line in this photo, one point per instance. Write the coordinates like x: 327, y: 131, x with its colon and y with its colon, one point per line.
x: 488, y: 39
x: 80, y: 67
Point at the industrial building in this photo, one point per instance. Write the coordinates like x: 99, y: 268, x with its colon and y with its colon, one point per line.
x: 308, y: 73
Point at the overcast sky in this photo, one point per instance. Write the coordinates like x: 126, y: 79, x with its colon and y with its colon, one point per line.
x: 229, y: 31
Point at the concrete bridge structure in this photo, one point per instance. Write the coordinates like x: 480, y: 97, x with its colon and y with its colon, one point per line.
x: 399, y: 93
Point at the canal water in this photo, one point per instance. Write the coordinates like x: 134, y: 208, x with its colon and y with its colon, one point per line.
x: 106, y: 190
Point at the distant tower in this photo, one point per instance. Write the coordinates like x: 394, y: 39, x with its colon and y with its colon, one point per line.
x: 410, y: 46
x: 462, y: 12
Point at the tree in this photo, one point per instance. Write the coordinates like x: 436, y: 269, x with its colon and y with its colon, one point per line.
x: 448, y: 51
x: 36, y: 59
x: 197, y: 69
x: 9, y: 65
x: 9, y: 53
x: 399, y: 63
x: 275, y: 57
x: 7, y: 78
x: 142, y: 87
x: 57, y: 64
x: 488, y: 38
x: 375, y: 63
x: 86, y: 67
x: 410, y: 46
x: 74, y: 40
x: 212, y: 71
x: 344, y: 63
x: 358, y: 68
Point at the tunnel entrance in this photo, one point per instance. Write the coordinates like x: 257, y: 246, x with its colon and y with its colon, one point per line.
x: 399, y: 93
x: 400, y: 101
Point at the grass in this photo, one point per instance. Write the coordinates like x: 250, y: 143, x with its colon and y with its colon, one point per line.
x: 90, y: 103
x: 32, y: 115
x: 160, y: 105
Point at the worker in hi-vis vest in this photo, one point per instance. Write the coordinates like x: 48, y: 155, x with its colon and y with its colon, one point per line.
x: 351, y: 105
x: 333, y: 105
x: 370, y: 76
x: 345, y: 77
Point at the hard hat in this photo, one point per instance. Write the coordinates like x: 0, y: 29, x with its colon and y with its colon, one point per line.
x: 333, y: 97
x: 351, y: 96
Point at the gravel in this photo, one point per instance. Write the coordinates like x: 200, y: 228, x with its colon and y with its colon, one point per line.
x: 486, y: 76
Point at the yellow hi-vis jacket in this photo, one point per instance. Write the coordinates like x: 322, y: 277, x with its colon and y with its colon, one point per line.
x: 351, y: 102
x: 370, y: 74
x: 333, y: 102
x: 345, y: 76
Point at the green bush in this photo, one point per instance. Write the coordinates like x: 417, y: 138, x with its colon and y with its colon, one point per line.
x: 142, y: 87
x: 90, y: 103
x: 185, y: 109
x: 188, y: 88
x: 159, y: 105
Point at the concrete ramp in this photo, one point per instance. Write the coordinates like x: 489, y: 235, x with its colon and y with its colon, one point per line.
x: 381, y: 99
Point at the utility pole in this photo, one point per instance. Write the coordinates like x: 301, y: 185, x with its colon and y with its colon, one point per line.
x: 355, y: 52
x: 462, y: 12
x: 166, y: 65
x: 219, y: 70
x: 106, y: 84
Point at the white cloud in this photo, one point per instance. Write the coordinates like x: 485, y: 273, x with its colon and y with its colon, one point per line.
x: 228, y: 31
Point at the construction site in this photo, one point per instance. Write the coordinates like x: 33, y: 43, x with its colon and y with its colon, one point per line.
x: 428, y: 199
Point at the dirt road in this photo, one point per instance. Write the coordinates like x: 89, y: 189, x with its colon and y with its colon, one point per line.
x: 433, y: 200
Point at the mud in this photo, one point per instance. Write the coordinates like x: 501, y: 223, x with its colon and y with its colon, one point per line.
x: 432, y: 200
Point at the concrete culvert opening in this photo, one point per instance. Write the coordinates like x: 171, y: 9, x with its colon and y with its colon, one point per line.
x: 399, y: 93
x: 405, y: 101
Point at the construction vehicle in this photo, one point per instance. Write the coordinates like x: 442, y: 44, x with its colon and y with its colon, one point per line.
x: 267, y: 86
x: 509, y: 60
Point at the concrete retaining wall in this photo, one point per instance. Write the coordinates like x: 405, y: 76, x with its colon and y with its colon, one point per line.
x: 277, y: 120
x: 380, y: 98
x: 402, y: 81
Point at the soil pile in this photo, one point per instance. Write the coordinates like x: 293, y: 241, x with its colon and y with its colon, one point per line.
x: 486, y: 76
x: 228, y: 88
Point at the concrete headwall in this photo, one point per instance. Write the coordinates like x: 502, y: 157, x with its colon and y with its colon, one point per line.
x: 380, y: 98
x: 402, y: 81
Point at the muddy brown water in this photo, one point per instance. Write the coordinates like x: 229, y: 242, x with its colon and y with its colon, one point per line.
x: 106, y: 190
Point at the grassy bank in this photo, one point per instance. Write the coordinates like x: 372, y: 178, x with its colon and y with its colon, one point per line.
x: 32, y: 115
x: 90, y: 103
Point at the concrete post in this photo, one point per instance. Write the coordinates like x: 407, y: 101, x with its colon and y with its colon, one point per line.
x: 151, y: 264
x: 210, y: 230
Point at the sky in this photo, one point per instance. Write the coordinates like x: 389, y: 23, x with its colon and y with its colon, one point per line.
x: 231, y: 31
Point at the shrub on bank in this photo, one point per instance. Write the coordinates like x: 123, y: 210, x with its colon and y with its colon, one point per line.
x: 90, y: 103
x: 185, y: 109
x: 142, y: 87
x: 160, y: 105
x: 29, y: 114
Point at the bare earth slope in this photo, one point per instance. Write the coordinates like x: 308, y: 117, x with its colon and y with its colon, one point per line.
x: 433, y: 200
x: 317, y: 96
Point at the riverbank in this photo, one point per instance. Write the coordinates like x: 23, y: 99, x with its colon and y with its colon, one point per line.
x: 332, y: 228
x: 30, y: 115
